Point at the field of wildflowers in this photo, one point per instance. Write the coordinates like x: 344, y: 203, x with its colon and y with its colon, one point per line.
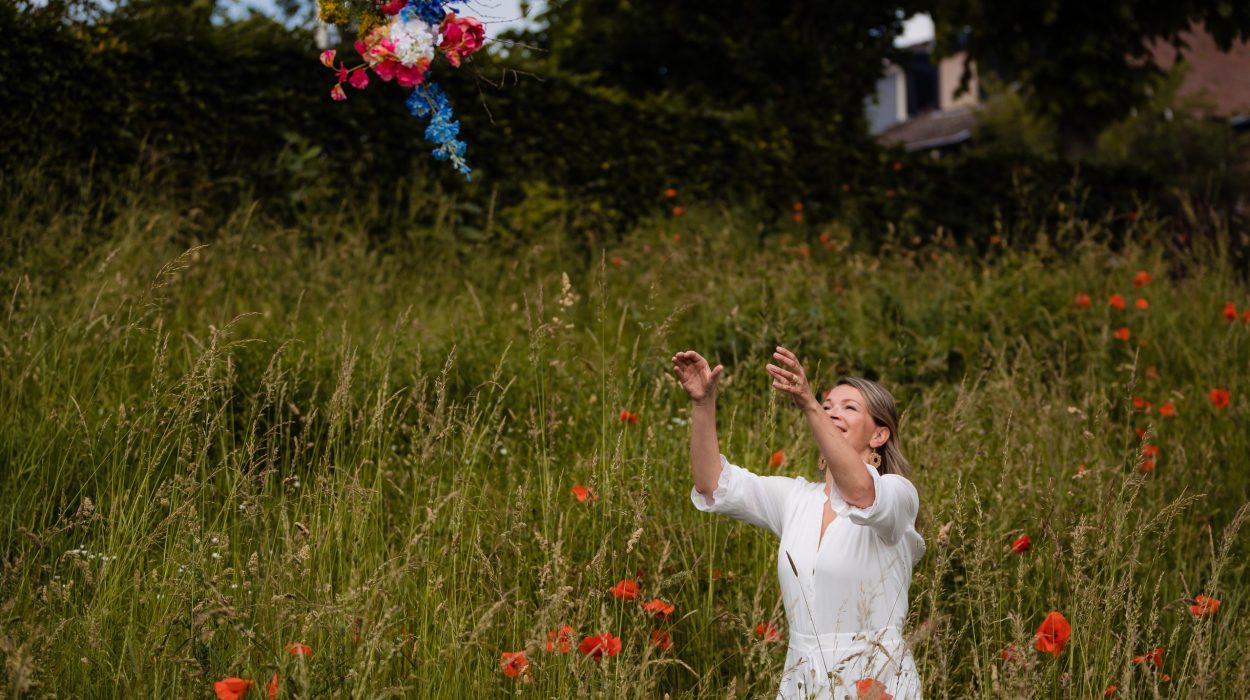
x: 303, y: 463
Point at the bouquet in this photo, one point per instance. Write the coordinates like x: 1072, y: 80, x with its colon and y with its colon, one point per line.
x: 399, y: 41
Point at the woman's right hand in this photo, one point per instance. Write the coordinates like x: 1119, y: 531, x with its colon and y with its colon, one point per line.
x: 696, y: 377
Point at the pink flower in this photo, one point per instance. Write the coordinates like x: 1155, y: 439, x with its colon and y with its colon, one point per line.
x: 462, y: 36
x: 393, y: 7
x: 386, y: 70
x: 337, y: 92
x: 360, y: 80
x: 342, y: 74
x: 327, y: 58
x: 412, y: 76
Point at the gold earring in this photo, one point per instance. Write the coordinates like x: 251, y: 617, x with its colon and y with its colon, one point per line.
x: 874, y: 459
x: 823, y: 464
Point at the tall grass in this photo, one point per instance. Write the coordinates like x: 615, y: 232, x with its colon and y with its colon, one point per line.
x: 216, y: 443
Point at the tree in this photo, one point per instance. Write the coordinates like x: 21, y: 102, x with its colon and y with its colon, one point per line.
x: 1086, y: 64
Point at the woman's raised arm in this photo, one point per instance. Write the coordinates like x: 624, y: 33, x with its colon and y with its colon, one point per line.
x: 699, y: 381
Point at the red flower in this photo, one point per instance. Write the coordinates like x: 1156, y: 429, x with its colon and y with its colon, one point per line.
x: 393, y: 7
x: 897, y: 166
x: 359, y: 79
x: 1219, y: 398
x: 337, y: 93
x: 889, y: 194
x: 661, y: 640
x: 1148, y: 465
x: 1008, y: 653
x: 1053, y: 633
x: 299, y: 649
x: 1122, y: 333
x: 776, y: 460
x: 617, y: 261
x: 670, y: 193
x: 798, y: 206
x: 598, y: 645
x: 678, y: 211
x: 513, y: 663
x: 1204, y: 605
x: 797, y: 217
x: 625, y: 589
x: 1167, y: 410
x: 1141, y: 433
x: 627, y: 417
x: 658, y: 608
x: 767, y: 632
x: 871, y: 689
x: 1154, y: 656
x: 996, y: 239
x: 1140, y: 403
x: 1022, y: 543
x: 1150, y: 450
x: 559, y: 639
x: 1109, y: 691
x: 584, y: 493
x: 1117, y: 302
x: 1230, y: 311
x: 1081, y: 300
x: 1141, y: 303
x: 273, y: 687
x: 232, y: 688
x: 1142, y: 279
x: 1245, y: 316
x: 1152, y: 374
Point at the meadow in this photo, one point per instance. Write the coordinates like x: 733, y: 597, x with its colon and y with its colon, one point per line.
x: 253, y: 450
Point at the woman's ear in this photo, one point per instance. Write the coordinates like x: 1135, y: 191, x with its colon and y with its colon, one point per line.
x: 879, y: 438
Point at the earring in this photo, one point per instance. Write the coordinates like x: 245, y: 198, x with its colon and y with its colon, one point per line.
x: 823, y: 464
x: 874, y: 459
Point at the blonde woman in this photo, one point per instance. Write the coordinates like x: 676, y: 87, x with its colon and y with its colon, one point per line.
x: 848, y: 541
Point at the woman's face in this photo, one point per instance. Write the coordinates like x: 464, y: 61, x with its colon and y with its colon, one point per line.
x: 846, y: 407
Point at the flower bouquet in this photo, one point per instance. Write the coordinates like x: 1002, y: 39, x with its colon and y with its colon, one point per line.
x: 399, y: 40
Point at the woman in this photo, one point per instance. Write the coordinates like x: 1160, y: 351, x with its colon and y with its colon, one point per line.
x: 848, y: 542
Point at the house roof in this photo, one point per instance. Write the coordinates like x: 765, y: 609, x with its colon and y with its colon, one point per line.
x: 934, y: 129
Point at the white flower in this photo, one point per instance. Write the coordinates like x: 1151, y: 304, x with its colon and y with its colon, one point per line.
x: 216, y: 555
x: 413, y: 41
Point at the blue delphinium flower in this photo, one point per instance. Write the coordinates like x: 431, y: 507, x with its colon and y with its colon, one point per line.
x: 430, y: 11
x: 429, y: 100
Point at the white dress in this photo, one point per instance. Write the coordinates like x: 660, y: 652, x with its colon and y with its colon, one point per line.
x: 846, y: 605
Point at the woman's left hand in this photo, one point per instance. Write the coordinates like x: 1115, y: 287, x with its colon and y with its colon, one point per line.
x: 790, y: 379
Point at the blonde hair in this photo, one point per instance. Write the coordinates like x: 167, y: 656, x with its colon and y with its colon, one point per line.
x: 884, y: 413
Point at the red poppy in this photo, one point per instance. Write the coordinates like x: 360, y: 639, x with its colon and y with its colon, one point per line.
x: 1142, y: 279
x: 1021, y: 544
x: 1122, y: 333
x: 616, y: 261
x: 798, y: 206
x: 778, y: 457
x: 299, y: 649
x: 1117, y: 302
x: 1219, y: 398
x: 996, y: 239
x: 625, y: 589
x: 1230, y: 311
x: 670, y: 192
x: 1154, y: 656
x: 678, y: 211
x: 1141, y: 433
x: 1245, y: 316
x: 1165, y: 678
x: 272, y: 688
x: 1141, y: 303
x: 584, y: 493
x: 658, y: 608
x: 232, y: 688
x: 513, y: 663
x: 1140, y: 403
x: 559, y: 639
x: 627, y: 417
x: 1081, y: 300
x: 897, y: 166
x: 1053, y: 633
x: 797, y: 217
x: 661, y: 640
x: 1008, y: 653
x: 1167, y: 410
x: 1109, y: 691
x: 1204, y: 605
x: 871, y: 689
x: 598, y: 645
x: 1148, y: 465
x: 1150, y: 450
x: 767, y: 632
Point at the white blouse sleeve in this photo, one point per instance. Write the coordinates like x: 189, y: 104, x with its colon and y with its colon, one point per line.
x: 893, y: 510
x: 754, y: 499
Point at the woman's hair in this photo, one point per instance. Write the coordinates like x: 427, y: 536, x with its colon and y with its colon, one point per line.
x: 884, y: 412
